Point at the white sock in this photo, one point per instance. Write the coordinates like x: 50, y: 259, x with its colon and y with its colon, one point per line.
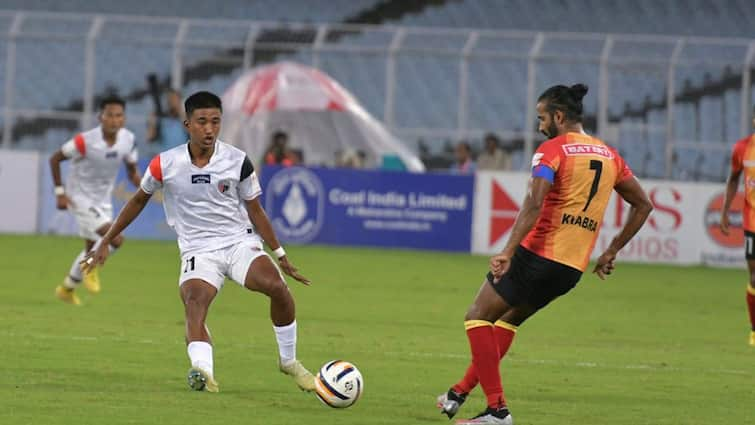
x: 75, y: 272
x: 286, y: 337
x: 200, y: 355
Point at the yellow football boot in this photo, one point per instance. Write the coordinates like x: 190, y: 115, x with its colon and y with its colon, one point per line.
x: 92, y: 280
x: 67, y: 295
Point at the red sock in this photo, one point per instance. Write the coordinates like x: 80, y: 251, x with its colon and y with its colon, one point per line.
x: 504, y: 335
x: 751, y: 305
x: 485, y: 358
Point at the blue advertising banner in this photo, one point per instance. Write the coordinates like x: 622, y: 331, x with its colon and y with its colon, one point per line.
x: 149, y: 225
x: 370, y: 208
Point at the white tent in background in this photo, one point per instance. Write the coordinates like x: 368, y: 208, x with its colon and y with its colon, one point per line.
x: 320, y: 117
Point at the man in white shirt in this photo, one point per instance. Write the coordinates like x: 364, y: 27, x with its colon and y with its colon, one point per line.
x: 96, y: 157
x: 492, y: 157
x: 211, y: 199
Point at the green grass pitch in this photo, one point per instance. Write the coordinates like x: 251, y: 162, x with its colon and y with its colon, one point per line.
x: 651, y: 345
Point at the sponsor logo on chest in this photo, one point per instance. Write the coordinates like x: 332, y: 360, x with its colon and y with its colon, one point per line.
x: 200, y: 179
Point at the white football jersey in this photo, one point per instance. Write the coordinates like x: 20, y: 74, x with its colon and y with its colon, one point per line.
x: 95, y: 165
x: 205, y: 206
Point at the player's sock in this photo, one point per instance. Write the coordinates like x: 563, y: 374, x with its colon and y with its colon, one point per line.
x: 485, y: 358
x: 75, y: 272
x: 286, y: 337
x: 504, y: 335
x: 71, y: 284
x: 200, y: 355
x: 751, y: 305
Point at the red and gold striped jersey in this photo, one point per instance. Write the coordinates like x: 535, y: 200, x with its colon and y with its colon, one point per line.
x: 583, y: 171
x: 743, y: 159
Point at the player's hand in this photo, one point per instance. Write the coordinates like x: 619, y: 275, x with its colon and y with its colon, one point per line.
x: 292, y: 271
x: 605, y: 264
x: 95, y: 258
x: 724, y: 225
x: 61, y: 202
x: 499, y: 264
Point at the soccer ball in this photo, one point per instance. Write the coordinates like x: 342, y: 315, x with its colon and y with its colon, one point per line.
x: 339, y: 384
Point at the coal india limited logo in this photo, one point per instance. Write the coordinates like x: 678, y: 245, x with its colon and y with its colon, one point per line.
x: 295, y: 202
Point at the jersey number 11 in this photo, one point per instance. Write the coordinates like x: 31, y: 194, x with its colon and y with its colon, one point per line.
x: 189, y: 265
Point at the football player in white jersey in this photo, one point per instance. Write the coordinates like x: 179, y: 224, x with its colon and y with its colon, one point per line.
x: 211, y: 199
x: 96, y: 157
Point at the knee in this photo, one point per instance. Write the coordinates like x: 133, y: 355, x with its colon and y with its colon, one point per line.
x: 278, y: 289
x: 473, y: 313
x: 194, y: 301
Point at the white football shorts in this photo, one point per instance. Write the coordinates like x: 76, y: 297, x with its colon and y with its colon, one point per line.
x: 214, y: 266
x: 90, y: 218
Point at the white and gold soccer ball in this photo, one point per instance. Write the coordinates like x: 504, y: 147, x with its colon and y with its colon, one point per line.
x: 339, y: 384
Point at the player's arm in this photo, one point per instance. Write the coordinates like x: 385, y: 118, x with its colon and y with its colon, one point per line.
x: 249, y: 190
x: 264, y: 228
x: 61, y: 200
x: 130, y: 211
x: 732, y: 184
x: 133, y: 173
x: 152, y: 181
x: 631, y: 191
x: 537, y: 189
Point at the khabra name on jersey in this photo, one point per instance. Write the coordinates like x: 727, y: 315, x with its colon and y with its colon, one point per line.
x: 581, y: 221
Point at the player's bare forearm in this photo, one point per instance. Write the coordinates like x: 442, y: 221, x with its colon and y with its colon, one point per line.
x: 55, y: 161
x: 130, y: 211
x: 262, y: 223
x: 537, y: 189
x: 641, y: 207
x: 133, y: 174
x: 732, y: 184
x: 524, y: 221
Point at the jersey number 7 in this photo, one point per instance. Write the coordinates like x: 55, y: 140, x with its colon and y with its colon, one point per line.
x: 598, y: 167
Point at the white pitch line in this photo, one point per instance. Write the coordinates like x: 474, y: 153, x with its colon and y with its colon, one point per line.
x: 647, y: 367
x: 404, y: 354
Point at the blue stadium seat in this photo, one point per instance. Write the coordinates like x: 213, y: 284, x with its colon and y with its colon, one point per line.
x: 428, y: 88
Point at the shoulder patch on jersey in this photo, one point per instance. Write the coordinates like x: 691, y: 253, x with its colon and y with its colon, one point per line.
x: 81, y: 145
x: 246, y: 169
x: 536, y: 158
x: 156, y: 169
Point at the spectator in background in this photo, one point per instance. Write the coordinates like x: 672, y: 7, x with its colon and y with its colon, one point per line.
x: 278, y: 152
x: 295, y: 157
x: 351, y: 158
x: 464, y: 163
x: 493, y: 157
x: 167, y: 130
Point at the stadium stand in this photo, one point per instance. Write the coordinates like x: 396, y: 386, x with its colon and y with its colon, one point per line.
x: 707, y: 80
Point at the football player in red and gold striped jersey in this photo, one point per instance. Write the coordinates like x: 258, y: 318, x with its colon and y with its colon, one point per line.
x: 573, y: 175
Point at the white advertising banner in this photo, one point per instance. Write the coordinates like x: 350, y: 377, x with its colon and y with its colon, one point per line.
x: 683, y: 228
x: 19, y: 187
